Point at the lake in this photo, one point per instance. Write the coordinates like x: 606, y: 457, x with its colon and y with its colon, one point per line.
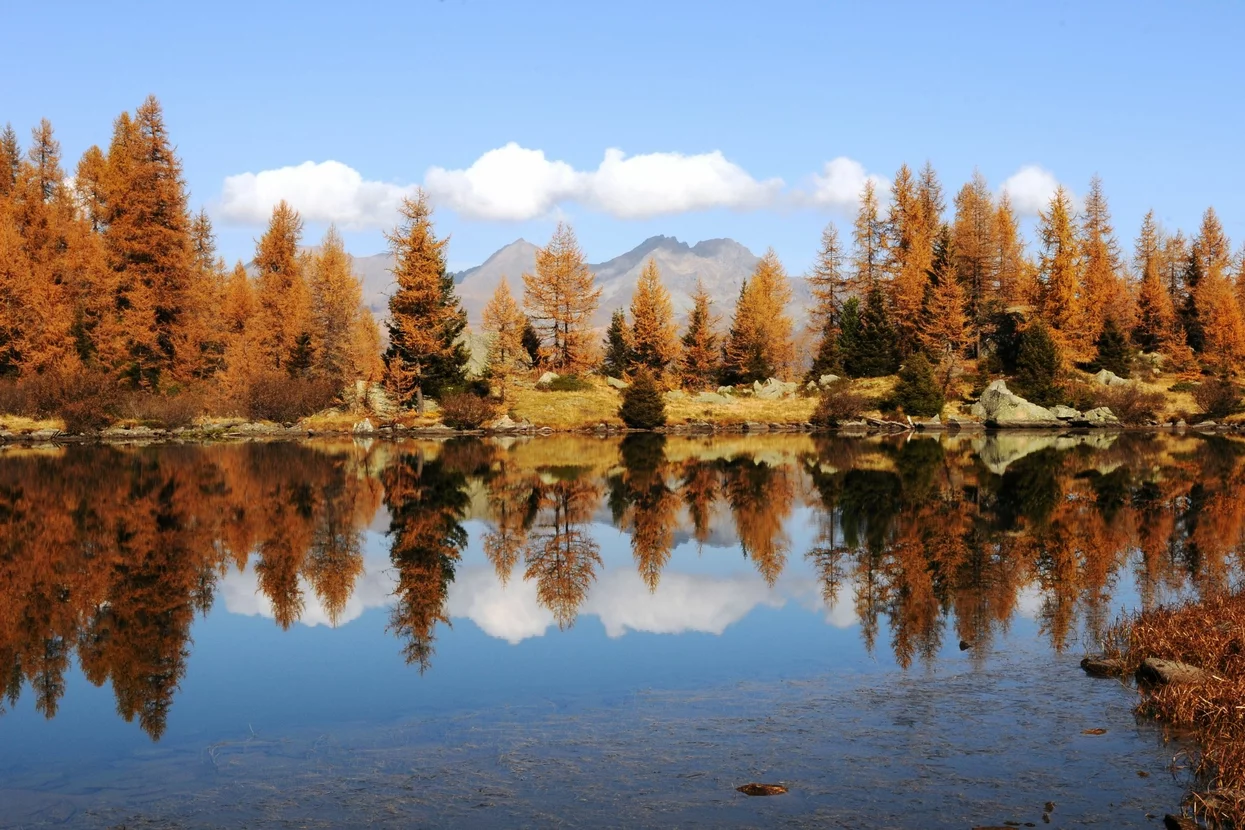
x: 579, y: 631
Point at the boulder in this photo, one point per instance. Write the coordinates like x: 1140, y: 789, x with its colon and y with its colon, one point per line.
x: 616, y: 383
x: 726, y: 390
x: 773, y: 389
x: 1101, y: 417
x: 504, y: 423
x: 1001, y: 407
x: 364, y: 427
x: 1066, y: 413
x: 711, y: 398
x: 931, y: 423
x: 1159, y: 672
x: 547, y: 378
x: 753, y: 426
x: 43, y: 434
x: 675, y: 395
x: 1106, y: 377
x: 826, y: 380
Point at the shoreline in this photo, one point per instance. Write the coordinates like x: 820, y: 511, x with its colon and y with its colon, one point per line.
x: 251, y: 430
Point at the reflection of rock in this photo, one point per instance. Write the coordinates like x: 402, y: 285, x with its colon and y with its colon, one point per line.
x: 1003, y: 408
x: 997, y: 452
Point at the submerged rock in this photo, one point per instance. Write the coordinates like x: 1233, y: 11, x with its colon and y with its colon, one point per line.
x: 1156, y: 671
x: 1103, y: 666
x: 1001, y: 407
x: 762, y: 789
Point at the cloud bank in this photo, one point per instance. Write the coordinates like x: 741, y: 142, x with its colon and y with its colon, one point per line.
x: 515, y: 184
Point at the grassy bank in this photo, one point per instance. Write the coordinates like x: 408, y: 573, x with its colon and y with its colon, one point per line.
x: 1209, y: 704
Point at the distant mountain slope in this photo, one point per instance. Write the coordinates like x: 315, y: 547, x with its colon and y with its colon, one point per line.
x: 723, y: 264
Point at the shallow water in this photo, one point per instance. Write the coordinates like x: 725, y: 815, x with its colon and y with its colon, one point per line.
x: 594, y: 632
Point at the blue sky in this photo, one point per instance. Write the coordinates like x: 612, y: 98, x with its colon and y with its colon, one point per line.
x: 1144, y: 94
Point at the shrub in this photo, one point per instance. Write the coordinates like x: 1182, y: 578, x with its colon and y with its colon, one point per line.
x: 918, y: 391
x: 275, y: 396
x: 85, y: 400
x: 569, y: 383
x: 1217, y: 397
x: 1114, y: 352
x: 1131, y: 404
x: 462, y: 410
x: 1038, y: 365
x: 1183, y: 386
x: 838, y: 404
x: 13, y: 399
x: 164, y: 411
x: 642, y: 404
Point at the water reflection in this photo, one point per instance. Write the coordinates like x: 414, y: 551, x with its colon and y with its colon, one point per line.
x: 108, y: 554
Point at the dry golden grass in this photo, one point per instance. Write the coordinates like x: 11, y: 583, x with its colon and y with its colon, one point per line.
x: 742, y: 410
x: 20, y: 424
x: 1210, y: 635
x: 565, y: 410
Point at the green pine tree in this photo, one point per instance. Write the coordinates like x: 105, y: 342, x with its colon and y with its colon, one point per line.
x: 876, y: 350
x: 828, y: 360
x: 617, y: 350
x: 642, y: 404
x: 918, y: 391
x: 1038, y: 366
x: 1115, y: 353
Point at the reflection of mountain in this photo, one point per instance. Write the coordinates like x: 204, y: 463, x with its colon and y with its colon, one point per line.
x: 107, y: 554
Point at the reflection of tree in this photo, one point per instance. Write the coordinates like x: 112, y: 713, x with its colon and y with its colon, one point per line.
x: 700, y: 486
x: 760, y: 497
x: 561, y: 555
x: 651, y: 507
x: 514, y: 500
x: 426, y: 502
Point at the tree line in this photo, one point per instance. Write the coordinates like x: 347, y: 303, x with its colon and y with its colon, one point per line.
x: 107, y: 278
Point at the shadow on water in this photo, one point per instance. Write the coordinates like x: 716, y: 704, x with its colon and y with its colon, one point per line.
x: 916, y: 547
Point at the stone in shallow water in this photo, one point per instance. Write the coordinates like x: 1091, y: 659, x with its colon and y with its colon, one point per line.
x: 1103, y: 666
x: 762, y: 789
x: 1156, y: 671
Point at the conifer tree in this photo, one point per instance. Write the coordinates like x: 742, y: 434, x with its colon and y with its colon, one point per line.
x: 1102, y: 292
x: 531, y: 342
x: 917, y: 392
x: 759, y: 344
x: 1213, y: 304
x: 849, y: 331
x: 654, y: 339
x: 869, y: 242
x: 1039, y: 365
x: 909, y: 257
x: 1009, y: 264
x: 974, y: 248
x: 700, y: 354
x: 947, y: 331
x: 875, y: 351
x: 617, y: 362
x: 1156, y: 319
x: 504, y: 320
x: 337, y: 304
x: 282, y: 299
x: 1113, y: 352
x: 10, y: 160
x: 1060, y: 269
x: 561, y: 299
x: 149, y: 244
x: 237, y: 320
x: 642, y: 404
x: 425, y: 318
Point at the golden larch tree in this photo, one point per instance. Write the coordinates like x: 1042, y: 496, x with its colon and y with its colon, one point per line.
x: 1060, y: 271
x: 1009, y: 259
x: 282, y: 298
x: 909, y: 256
x: 336, y: 304
x: 654, y: 339
x: 561, y: 298
x: 759, y: 344
x: 701, y: 353
x: 948, y: 328
x: 1103, y: 293
x: 973, y: 246
x: 505, y: 321
x: 1156, y: 325
x: 869, y: 240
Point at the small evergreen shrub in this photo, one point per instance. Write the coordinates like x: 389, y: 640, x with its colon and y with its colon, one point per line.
x: 1218, y: 397
x: 1114, y: 352
x: 838, y: 403
x: 918, y: 391
x: 1038, y: 367
x: 1183, y: 386
x: 642, y: 404
x: 463, y: 410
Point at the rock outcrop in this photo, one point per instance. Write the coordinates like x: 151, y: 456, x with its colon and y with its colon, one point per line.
x: 1000, y: 407
x: 1106, y: 377
x: 773, y: 389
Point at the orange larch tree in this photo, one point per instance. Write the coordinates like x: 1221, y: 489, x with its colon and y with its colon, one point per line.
x: 759, y: 344
x: 505, y: 321
x: 701, y: 353
x: 1060, y: 271
x: 909, y: 256
x: 1103, y: 293
x: 654, y: 339
x: 561, y: 298
x: 282, y: 298
x: 974, y: 248
x: 336, y: 304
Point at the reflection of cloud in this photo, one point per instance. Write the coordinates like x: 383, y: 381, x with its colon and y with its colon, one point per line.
x: 240, y: 590
x: 682, y: 602
x: 508, y: 612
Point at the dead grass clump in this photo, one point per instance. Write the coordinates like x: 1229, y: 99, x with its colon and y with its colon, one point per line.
x: 277, y: 397
x: 162, y: 411
x: 1211, y: 636
x: 1131, y: 403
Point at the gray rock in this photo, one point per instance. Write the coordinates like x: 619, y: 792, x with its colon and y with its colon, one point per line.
x: 1106, y: 377
x: 1181, y: 423
x: 43, y: 434
x: 675, y: 395
x: 1001, y: 407
x: 1161, y: 672
x: 931, y: 423
x: 773, y: 389
x: 1101, y: 417
x: 616, y: 383
x: 547, y: 378
x: 753, y: 426
x: 826, y: 380
x: 712, y: 398
x: 726, y: 390
x: 504, y: 423
x: 1065, y: 413
x: 364, y: 427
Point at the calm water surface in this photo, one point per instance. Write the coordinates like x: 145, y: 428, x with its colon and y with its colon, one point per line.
x: 590, y: 632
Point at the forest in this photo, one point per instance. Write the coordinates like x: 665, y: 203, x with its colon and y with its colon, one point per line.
x: 114, y: 304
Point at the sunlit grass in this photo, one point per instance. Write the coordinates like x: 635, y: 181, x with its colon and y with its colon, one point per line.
x: 20, y: 424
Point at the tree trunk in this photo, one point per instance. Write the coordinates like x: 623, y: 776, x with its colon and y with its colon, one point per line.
x: 419, y: 400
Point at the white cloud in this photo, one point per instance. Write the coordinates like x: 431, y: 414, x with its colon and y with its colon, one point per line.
x: 327, y: 191
x: 514, y: 183
x: 839, y: 185
x: 1030, y: 189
